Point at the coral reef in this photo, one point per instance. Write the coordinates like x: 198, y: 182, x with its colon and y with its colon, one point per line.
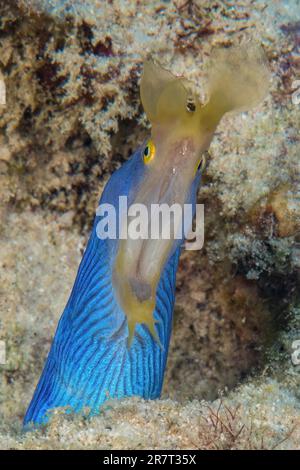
x: 72, y: 115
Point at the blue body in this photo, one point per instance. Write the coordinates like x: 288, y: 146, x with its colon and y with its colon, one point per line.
x: 90, y: 360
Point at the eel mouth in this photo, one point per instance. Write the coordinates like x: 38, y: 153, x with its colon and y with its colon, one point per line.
x: 160, y: 199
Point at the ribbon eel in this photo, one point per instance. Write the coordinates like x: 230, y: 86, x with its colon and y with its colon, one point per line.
x: 113, y: 336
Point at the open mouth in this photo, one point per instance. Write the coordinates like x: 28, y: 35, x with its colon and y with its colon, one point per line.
x: 140, y: 260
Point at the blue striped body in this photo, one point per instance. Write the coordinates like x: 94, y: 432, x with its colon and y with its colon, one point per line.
x: 90, y: 360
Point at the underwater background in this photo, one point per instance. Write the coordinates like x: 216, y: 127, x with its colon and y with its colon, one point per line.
x: 72, y: 115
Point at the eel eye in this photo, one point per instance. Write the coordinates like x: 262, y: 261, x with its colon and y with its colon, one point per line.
x: 149, y: 152
x: 201, y: 163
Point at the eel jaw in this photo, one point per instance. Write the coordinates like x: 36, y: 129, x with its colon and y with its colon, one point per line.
x: 139, y: 262
x: 238, y: 78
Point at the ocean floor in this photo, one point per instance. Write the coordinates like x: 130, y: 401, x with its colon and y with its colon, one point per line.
x: 72, y: 116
